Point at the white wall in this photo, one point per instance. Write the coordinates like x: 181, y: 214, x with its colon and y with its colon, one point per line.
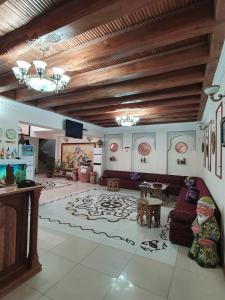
x: 214, y: 183
x: 11, y: 112
x: 128, y: 158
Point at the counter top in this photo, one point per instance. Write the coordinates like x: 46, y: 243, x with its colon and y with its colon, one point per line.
x: 13, y: 189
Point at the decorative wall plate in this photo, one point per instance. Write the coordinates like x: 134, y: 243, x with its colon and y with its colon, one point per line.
x: 114, y: 147
x: 1, y: 132
x: 181, y: 147
x: 213, y: 141
x: 144, y: 149
x: 11, y: 134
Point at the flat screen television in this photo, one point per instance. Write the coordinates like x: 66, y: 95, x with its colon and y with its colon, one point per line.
x: 73, y: 129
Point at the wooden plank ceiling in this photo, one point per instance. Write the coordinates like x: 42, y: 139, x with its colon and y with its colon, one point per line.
x: 147, y: 58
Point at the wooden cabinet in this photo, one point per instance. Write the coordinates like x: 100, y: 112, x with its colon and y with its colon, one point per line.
x: 18, y: 236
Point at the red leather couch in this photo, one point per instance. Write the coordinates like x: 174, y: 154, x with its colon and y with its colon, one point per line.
x: 183, y: 215
x: 175, y: 182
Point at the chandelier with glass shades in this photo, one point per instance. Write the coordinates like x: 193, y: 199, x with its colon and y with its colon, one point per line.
x: 40, y: 80
x: 127, y: 120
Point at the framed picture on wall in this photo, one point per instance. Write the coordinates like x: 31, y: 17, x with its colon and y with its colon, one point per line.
x: 24, y: 129
x: 74, y: 154
x: 223, y: 132
x: 218, y: 153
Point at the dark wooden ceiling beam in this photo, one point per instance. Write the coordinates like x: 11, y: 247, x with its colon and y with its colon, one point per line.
x: 216, y: 44
x: 158, y: 105
x: 138, y: 68
x: 175, y: 28
x: 163, y: 113
x: 179, y: 92
x: 8, y: 82
x: 68, y: 19
x: 133, y: 87
x: 151, y: 122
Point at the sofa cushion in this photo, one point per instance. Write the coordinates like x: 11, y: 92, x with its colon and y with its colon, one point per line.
x: 192, y: 194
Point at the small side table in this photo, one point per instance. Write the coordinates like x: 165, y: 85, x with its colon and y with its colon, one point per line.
x: 113, y: 184
x: 151, y: 209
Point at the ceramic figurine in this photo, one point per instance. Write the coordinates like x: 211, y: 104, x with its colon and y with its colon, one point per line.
x: 206, y: 234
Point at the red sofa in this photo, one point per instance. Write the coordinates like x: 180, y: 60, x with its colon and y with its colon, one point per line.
x: 175, y: 182
x: 183, y: 215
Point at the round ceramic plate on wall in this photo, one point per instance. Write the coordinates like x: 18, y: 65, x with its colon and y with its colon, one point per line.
x: 181, y: 147
x: 11, y: 134
x: 114, y: 147
x: 1, y: 132
x: 144, y: 149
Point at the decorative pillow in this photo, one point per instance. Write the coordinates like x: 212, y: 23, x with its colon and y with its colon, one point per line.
x: 135, y: 176
x: 189, y: 181
x: 192, y: 194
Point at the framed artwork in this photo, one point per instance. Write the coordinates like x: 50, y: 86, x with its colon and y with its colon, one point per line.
x: 74, y: 154
x: 144, y: 149
x: 223, y: 132
x: 209, y: 147
x: 218, y: 152
x: 213, y: 142
x: 181, y: 147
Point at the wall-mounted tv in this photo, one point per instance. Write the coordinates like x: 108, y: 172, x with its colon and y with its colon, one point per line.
x: 73, y: 129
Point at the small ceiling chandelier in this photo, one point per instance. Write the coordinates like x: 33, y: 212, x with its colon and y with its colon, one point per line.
x: 127, y: 120
x: 40, y: 81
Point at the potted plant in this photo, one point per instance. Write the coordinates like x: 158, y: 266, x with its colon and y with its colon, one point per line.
x: 50, y: 164
x: 63, y: 167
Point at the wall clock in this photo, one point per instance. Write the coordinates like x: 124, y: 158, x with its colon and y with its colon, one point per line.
x: 181, y: 147
x: 11, y: 134
x: 144, y: 149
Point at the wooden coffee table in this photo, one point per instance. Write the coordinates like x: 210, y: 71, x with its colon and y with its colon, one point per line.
x: 151, y: 209
x: 153, y: 189
x: 113, y: 184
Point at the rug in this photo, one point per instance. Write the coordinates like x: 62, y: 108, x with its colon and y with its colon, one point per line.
x: 109, y: 218
x: 49, y: 185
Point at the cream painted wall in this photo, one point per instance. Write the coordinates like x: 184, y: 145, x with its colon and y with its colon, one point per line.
x: 215, y: 184
x: 11, y: 112
x: 128, y: 159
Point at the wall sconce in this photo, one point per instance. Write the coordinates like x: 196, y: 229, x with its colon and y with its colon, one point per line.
x: 204, y: 126
x: 211, y: 91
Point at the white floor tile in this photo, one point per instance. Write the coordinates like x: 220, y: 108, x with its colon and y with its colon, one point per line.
x: 187, y: 285
x: 53, y: 269
x: 124, y: 290
x: 81, y: 284
x: 148, y: 274
x: 108, y: 260
x: 75, y: 249
x: 23, y: 292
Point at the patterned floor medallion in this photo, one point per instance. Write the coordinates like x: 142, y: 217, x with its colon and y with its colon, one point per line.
x: 109, y: 218
x: 112, y: 208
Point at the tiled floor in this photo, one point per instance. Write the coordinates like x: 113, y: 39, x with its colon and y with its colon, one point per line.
x: 79, y: 269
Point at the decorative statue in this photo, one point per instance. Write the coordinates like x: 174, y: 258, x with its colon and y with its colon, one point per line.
x: 206, y: 234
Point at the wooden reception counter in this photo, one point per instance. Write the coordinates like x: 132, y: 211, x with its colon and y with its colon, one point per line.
x: 18, y: 236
